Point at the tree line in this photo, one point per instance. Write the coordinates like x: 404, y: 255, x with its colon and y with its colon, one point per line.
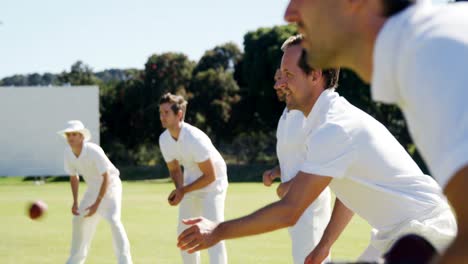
x: 230, y: 97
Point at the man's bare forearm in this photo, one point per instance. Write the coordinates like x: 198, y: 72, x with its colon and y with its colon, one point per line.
x: 209, y: 176
x: 74, y: 184
x: 340, y: 218
x: 199, y: 183
x: 272, y: 217
x: 303, y: 191
x: 178, y: 179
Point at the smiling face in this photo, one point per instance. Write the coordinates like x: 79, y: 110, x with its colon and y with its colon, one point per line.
x: 296, y: 85
x: 278, y: 86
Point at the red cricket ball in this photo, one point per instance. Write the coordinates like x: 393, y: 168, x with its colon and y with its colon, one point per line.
x: 37, y: 209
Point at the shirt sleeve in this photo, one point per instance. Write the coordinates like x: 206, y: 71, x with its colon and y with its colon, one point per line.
x: 100, y: 160
x: 200, y: 149
x: 434, y: 88
x: 330, y: 152
x: 166, y: 151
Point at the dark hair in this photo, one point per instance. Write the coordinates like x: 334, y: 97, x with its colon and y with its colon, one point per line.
x: 330, y: 76
x: 392, y: 7
x: 177, y: 102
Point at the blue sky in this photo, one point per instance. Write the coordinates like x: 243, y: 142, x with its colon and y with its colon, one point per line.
x: 50, y: 35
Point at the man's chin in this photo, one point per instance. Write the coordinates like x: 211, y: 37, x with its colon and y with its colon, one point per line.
x: 291, y: 106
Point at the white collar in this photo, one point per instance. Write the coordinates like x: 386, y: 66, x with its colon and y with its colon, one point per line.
x: 321, y: 107
x: 83, y: 150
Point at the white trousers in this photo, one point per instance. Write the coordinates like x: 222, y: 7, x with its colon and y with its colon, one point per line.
x: 211, y: 206
x: 307, y: 232
x: 84, y: 228
x: 437, y: 225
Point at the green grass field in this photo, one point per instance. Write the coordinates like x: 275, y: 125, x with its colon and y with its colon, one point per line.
x: 150, y: 223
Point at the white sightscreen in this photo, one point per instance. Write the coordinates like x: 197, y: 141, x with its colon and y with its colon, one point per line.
x: 29, y: 120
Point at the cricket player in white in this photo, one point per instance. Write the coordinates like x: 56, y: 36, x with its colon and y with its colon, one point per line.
x: 102, y: 199
x: 201, y: 188
x: 291, y: 153
x: 364, y: 165
x: 414, y: 55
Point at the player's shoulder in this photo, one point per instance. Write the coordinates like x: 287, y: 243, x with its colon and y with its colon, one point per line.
x: 93, y: 148
x: 164, y: 137
x: 444, y: 25
x: 192, y: 132
x: 333, y: 130
x: 67, y: 152
x: 330, y: 136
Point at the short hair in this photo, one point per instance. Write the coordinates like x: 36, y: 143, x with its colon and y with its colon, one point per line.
x: 392, y: 7
x: 331, y: 75
x: 178, y: 103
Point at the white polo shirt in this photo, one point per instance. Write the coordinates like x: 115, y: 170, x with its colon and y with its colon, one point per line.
x: 421, y: 64
x: 91, y: 164
x: 372, y: 173
x: 192, y: 147
x: 290, y: 143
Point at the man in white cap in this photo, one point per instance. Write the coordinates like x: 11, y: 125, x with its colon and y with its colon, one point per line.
x: 102, y: 199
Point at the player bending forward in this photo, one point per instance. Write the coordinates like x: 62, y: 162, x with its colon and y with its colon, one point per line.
x: 102, y: 199
x: 201, y: 188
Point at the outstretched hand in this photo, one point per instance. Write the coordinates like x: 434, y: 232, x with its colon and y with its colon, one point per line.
x: 198, y: 236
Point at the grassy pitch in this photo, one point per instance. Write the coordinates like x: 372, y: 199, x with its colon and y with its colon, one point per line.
x: 150, y: 224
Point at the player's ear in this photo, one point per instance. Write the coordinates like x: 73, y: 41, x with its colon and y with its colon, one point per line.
x: 180, y: 115
x: 315, y: 76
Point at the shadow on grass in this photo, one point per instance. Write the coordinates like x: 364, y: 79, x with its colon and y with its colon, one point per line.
x: 236, y: 173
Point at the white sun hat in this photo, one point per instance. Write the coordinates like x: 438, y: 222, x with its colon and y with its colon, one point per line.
x: 76, y: 126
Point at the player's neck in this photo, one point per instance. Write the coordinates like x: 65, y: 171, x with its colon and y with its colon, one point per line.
x: 361, y: 53
x: 175, y: 131
x: 309, y: 103
x: 77, y: 149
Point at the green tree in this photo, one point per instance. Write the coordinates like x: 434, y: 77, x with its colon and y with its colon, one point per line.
x: 80, y: 74
x: 168, y: 72
x: 259, y: 108
x: 214, y: 91
x: 224, y: 57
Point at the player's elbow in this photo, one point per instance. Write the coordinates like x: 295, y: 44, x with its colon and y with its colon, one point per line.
x: 210, y: 177
x: 291, y: 215
x: 292, y: 219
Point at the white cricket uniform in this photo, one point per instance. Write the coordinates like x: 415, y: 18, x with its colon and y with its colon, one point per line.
x: 374, y: 176
x: 193, y: 147
x: 291, y: 152
x: 91, y: 164
x: 420, y: 64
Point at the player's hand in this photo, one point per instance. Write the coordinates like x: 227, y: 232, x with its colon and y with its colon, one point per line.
x: 282, y: 189
x: 318, y: 255
x: 74, y: 209
x: 269, y: 176
x: 198, y: 236
x: 92, y: 209
x: 175, y: 197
